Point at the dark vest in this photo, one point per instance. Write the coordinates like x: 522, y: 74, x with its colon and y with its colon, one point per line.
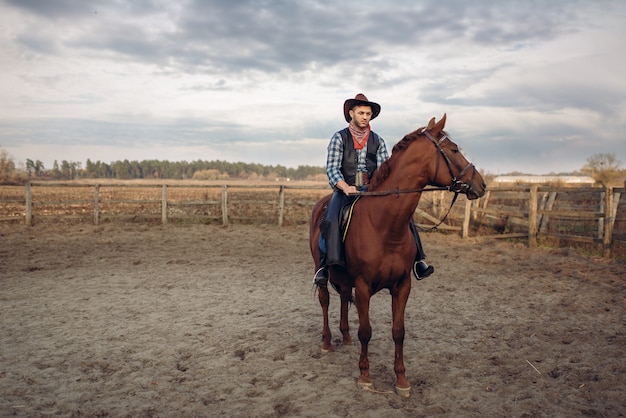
x: 349, y: 163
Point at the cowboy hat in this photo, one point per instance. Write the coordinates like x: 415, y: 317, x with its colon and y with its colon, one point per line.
x: 359, y: 100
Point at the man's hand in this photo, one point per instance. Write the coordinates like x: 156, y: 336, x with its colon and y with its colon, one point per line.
x: 350, y: 190
x: 346, y: 188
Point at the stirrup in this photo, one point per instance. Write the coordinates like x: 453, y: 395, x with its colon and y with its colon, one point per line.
x: 321, y: 277
x: 421, y: 270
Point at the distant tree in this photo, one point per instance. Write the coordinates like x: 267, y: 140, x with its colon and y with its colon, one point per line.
x: 66, y: 170
x: 55, y: 172
x: 135, y: 170
x: 39, y: 168
x: 604, y: 168
x: 91, y: 169
x: 7, y: 165
x: 69, y: 169
x: 210, y: 174
x: 122, y: 169
x: 307, y: 172
x: 35, y: 167
x: 30, y: 166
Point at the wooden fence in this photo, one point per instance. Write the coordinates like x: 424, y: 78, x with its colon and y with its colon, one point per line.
x: 166, y: 203
x: 561, y: 216
x: 568, y: 214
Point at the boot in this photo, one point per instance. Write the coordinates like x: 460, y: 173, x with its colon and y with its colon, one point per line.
x: 422, y: 270
x: 331, y: 230
x: 321, y: 275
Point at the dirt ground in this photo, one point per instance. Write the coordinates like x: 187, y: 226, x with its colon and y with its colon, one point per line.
x: 200, y: 320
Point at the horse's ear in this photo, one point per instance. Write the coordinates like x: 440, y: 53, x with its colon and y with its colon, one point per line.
x: 437, y: 127
x: 431, y: 124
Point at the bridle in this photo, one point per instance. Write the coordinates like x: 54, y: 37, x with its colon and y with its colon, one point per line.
x: 456, y: 186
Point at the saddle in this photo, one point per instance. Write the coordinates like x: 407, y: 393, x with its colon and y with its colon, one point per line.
x: 346, y: 217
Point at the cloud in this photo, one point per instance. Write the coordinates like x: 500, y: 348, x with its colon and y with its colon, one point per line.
x: 274, y: 36
x: 55, y: 9
x: 517, y: 79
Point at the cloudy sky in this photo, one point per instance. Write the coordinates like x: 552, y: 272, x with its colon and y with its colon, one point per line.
x: 532, y: 86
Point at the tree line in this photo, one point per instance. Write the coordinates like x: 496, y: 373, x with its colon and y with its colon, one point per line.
x: 152, y: 169
x: 198, y: 169
x: 603, y: 167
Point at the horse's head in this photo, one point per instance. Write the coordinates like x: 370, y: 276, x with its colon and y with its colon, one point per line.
x: 422, y: 152
x: 457, y: 173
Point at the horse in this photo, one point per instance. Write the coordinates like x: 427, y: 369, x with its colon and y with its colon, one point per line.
x: 379, y: 247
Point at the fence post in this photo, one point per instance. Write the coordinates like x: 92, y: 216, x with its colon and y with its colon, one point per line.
x: 96, y: 205
x: 543, y: 219
x: 602, y: 219
x: 224, y: 205
x: 438, y: 202
x: 281, y: 205
x: 164, y: 204
x: 609, y: 220
x: 466, y: 219
x: 29, y: 205
x: 532, y: 216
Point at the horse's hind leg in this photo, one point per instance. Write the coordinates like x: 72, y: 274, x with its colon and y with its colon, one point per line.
x: 344, y: 327
x: 324, y: 297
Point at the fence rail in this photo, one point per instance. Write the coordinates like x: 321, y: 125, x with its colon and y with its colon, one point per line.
x: 572, y: 214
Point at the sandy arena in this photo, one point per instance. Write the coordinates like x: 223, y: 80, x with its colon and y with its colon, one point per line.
x: 209, y: 321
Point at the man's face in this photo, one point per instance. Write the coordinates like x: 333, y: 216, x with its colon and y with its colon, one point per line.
x: 361, y: 115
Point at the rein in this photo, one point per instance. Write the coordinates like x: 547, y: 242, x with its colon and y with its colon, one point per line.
x: 398, y: 191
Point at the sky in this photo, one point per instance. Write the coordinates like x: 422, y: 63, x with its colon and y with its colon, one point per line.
x: 530, y: 86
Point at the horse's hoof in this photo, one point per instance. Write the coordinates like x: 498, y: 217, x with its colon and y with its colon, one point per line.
x: 326, y: 350
x: 404, y: 392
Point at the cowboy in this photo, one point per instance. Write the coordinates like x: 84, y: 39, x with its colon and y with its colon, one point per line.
x: 354, y: 154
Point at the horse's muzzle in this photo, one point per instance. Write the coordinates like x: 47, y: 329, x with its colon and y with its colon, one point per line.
x: 473, y: 194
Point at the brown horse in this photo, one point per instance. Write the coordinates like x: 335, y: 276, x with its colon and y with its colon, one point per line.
x: 379, y: 247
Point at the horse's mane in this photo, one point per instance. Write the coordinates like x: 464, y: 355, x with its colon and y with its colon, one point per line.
x: 385, y: 168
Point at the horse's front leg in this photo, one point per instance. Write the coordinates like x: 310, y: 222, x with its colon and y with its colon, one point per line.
x: 344, y: 327
x: 362, y: 301
x: 399, y: 299
x: 322, y: 293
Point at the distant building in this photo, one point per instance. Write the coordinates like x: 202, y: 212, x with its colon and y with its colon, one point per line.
x: 545, y: 179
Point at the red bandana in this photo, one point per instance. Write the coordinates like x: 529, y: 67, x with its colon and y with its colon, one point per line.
x: 359, y: 136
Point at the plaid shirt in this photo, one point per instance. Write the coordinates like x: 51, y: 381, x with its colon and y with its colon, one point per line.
x: 335, y: 157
